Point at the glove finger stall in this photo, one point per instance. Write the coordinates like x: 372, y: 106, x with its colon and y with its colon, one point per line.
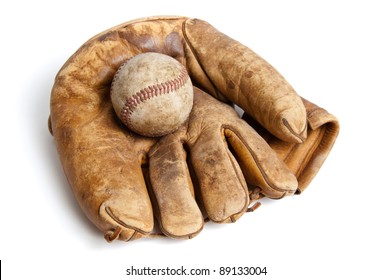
x: 173, y: 193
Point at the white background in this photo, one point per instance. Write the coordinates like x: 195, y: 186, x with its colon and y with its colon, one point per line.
x: 335, y: 53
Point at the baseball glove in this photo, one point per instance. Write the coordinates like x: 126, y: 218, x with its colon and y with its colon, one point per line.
x: 122, y: 180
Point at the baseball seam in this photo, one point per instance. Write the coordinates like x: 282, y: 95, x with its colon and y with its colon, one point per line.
x: 149, y: 92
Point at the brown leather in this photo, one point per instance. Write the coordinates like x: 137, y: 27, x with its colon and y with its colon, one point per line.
x: 305, y: 159
x: 106, y: 165
x: 244, y: 78
x: 215, y: 140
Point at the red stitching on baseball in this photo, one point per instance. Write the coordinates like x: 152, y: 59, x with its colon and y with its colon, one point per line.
x: 149, y: 92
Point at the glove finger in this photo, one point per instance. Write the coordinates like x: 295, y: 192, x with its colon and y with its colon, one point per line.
x: 244, y: 78
x: 259, y: 163
x: 306, y: 159
x: 222, y: 186
x: 173, y: 192
x: 105, y: 174
x: 127, y: 209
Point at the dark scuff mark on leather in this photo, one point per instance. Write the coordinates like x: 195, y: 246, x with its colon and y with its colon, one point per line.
x: 105, y: 36
x: 174, y: 45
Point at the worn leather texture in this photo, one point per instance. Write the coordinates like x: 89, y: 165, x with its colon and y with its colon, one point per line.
x: 221, y: 150
x: 305, y: 159
x: 212, y: 167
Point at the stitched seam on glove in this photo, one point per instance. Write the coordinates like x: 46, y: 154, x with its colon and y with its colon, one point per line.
x: 239, y: 176
x: 111, y: 215
x: 270, y: 185
x: 319, y: 152
x: 311, y: 152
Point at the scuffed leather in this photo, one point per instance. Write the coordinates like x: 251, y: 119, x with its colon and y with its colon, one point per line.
x: 223, y: 151
x: 244, y: 78
x: 107, y: 165
x: 306, y: 159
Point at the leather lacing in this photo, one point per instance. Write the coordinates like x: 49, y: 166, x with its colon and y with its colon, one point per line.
x: 110, y: 235
x: 254, y: 195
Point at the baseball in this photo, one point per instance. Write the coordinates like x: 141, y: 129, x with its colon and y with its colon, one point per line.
x: 152, y: 94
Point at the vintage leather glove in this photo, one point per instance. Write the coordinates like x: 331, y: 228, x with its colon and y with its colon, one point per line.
x: 107, y: 165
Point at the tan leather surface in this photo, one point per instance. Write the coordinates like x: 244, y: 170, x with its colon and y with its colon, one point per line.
x: 214, y: 141
x: 244, y: 78
x: 107, y: 166
x: 305, y: 159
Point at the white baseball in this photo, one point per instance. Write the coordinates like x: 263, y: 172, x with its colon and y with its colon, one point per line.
x: 152, y: 94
